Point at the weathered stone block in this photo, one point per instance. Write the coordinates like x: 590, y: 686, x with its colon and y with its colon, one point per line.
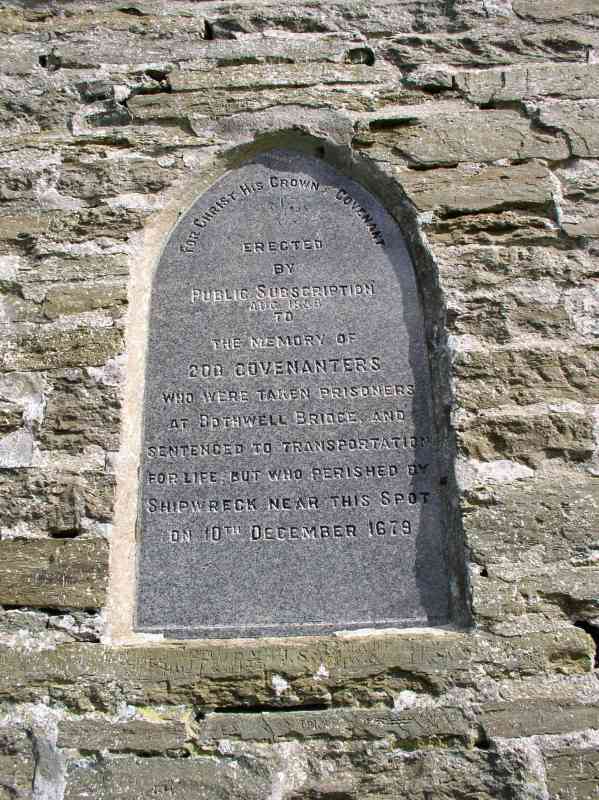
x: 36, y: 502
x: 546, y: 10
x: 54, y: 574
x: 556, y: 518
x: 513, y: 228
x: 525, y: 376
x: 458, y: 191
x: 579, y: 121
x: 80, y: 413
x: 417, y: 727
x: 91, y: 180
x: 444, y: 775
x: 165, y: 779
x: 94, y: 734
x: 16, y: 764
x: 64, y: 300
x: 567, y: 81
x: 488, y: 45
x: 474, y: 268
x: 11, y: 416
x: 79, y: 347
x: 84, y: 268
x: 272, y: 76
x: 467, y: 136
x: 580, y: 190
x: 573, y: 774
x: 372, y: 668
x: 529, y: 436
x: 538, y: 717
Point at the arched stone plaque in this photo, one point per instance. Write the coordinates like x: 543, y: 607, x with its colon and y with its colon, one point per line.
x: 288, y: 479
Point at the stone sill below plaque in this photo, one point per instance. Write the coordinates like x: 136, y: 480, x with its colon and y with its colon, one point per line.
x: 134, y: 639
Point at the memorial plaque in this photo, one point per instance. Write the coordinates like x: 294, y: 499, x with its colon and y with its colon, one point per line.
x: 288, y: 479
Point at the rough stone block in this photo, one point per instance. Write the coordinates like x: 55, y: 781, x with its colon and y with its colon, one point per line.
x: 11, y: 416
x: 528, y: 436
x: 537, y: 717
x: 38, y: 502
x: 474, y: 268
x: 511, y: 228
x: 472, y: 136
x: 90, y: 180
x: 84, y: 268
x: 165, y: 779
x: 241, y: 675
x: 546, y: 10
x: 64, y: 300
x: 457, y: 191
x: 81, y: 413
x: 567, y: 81
x: 556, y: 517
x: 525, y: 376
x: 578, y: 120
x: 573, y: 773
x: 94, y: 734
x: 580, y: 194
x: 16, y: 764
x: 54, y: 574
x: 417, y: 727
x: 488, y: 45
x: 79, y: 347
x: 271, y: 76
x: 445, y: 775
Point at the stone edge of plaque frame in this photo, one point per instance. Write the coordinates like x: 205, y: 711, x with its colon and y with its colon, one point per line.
x: 153, y: 240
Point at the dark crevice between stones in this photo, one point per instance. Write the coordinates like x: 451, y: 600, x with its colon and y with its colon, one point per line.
x: 390, y: 124
x: 50, y: 61
x: 167, y: 123
x: 482, y: 740
x: 71, y: 533
x: 260, y: 709
x: 208, y: 31
x: 221, y: 29
x: 50, y: 611
x: 145, y: 754
x: 134, y: 11
x: 360, y: 55
x: 593, y: 631
x: 317, y: 794
x: 161, y: 78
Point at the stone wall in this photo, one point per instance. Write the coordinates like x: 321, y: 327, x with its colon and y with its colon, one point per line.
x: 477, y: 123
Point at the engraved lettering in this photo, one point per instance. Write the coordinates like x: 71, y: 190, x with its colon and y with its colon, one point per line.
x: 289, y: 479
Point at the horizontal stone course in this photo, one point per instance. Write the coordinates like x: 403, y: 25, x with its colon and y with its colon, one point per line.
x: 236, y: 675
x: 418, y: 727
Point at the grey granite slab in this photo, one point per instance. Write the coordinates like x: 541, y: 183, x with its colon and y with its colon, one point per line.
x: 288, y: 480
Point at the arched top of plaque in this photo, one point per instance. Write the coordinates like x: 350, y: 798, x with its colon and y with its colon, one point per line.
x: 288, y: 478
